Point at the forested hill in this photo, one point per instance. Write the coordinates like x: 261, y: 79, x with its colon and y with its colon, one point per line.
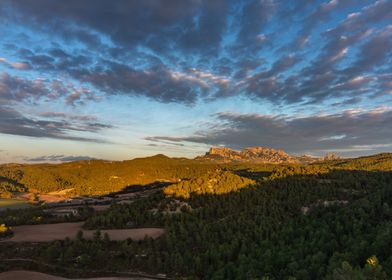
x: 375, y: 162
x: 96, y: 177
x: 217, y: 182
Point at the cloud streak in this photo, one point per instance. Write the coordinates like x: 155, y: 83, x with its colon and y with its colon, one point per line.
x: 14, y: 123
x: 59, y: 158
x: 19, y: 89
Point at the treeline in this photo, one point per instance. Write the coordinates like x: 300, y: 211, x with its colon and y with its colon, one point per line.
x: 38, y: 215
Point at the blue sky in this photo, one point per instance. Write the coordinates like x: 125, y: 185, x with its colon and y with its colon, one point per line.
x: 123, y: 79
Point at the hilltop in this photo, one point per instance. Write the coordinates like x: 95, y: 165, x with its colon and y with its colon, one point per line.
x: 96, y: 177
x: 216, y: 182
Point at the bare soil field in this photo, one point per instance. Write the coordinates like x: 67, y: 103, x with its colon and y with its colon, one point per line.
x: 33, y: 275
x: 51, y: 198
x: 50, y: 232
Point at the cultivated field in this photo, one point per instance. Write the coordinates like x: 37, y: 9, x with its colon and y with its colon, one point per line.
x: 50, y: 232
x: 32, y: 275
x: 13, y: 204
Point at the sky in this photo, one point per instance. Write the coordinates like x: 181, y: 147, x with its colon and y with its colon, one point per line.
x: 123, y: 79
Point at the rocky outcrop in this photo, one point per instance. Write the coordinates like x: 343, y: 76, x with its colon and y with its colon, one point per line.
x: 251, y: 154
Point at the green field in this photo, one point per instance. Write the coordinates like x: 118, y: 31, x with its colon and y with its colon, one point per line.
x: 13, y: 204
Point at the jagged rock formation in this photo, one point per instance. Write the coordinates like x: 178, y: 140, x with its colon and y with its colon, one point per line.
x: 252, y: 154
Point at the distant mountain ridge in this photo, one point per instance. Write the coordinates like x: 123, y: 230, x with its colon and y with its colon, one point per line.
x: 254, y: 154
x: 99, y: 177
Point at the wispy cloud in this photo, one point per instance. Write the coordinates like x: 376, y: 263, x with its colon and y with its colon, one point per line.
x: 59, y: 158
x: 14, y: 123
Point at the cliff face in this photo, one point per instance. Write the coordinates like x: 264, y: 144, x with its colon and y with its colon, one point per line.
x: 223, y: 153
x: 252, y: 154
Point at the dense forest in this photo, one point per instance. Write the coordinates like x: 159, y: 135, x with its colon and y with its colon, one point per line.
x: 320, y: 221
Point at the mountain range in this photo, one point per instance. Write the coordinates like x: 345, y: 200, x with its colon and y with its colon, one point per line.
x: 255, y: 155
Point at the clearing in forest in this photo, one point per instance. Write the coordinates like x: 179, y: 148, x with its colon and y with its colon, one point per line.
x: 51, y: 232
x: 33, y: 275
